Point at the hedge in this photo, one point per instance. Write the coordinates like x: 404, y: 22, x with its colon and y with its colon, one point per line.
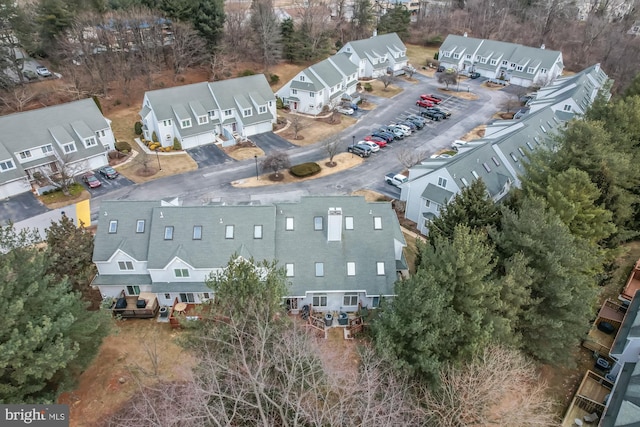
x: 137, y: 128
x: 123, y: 146
x: 305, y: 169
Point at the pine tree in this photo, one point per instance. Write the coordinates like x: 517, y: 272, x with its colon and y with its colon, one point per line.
x: 396, y: 20
x: 208, y: 19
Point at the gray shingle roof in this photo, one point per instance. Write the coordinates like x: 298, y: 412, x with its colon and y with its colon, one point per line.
x: 437, y: 194
x: 623, y: 409
x: 122, y: 279
x: 378, y: 46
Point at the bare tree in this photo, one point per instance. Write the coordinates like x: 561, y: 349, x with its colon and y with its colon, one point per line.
x: 409, y: 157
x: 237, y: 26
x: 297, y: 124
x: 266, y: 32
x: 331, y: 146
x: 60, y: 173
x: 511, y: 103
x: 18, y: 97
x: 143, y: 159
x: 500, y: 387
x: 275, y: 162
x: 448, y: 78
x: 186, y: 49
x: 387, y: 79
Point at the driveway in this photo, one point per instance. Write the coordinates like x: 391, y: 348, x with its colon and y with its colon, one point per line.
x: 209, y: 155
x: 270, y: 142
x: 20, y: 207
x: 107, y: 184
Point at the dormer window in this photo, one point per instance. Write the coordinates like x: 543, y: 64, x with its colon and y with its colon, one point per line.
x: 456, y: 56
x: 543, y: 71
x: 69, y: 148
x: 530, y: 70
x: 262, y: 109
x: 203, y: 120
x: 212, y: 114
x: 301, y: 78
x: 90, y: 142
x: 494, y: 62
x: 47, y: 149
x: 520, y: 68
x: 228, y: 113
x: 467, y: 56
x: 246, y: 112
x: 505, y: 63
x: 6, y: 165
x: 185, y: 123
x: 166, y: 122
x: 483, y: 60
x: 26, y: 154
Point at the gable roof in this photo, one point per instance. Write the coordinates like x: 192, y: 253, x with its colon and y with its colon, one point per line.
x: 378, y: 46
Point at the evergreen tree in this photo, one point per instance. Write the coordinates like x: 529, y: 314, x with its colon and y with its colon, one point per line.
x: 561, y: 269
x: 47, y: 337
x: 207, y: 17
x: 289, y: 42
x: 363, y: 19
x: 396, y: 20
x: 266, y: 32
x: 53, y: 17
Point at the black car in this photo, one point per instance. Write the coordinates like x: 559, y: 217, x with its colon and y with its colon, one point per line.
x: 108, y: 172
x: 384, y: 135
x: 430, y: 114
x: 446, y: 114
x: 474, y: 75
x: 419, y: 124
x: 417, y: 118
x: 440, y: 69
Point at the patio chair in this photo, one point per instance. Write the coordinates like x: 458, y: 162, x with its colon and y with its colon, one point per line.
x: 591, y: 418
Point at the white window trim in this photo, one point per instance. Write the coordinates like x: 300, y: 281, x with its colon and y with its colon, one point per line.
x: 348, y: 223
x: 257, y: 231
x: 140, y: 224
x: 125, y: 266
x: 351, y: 268
x: 203, y: 120
x: 289, y: 270
x: 377, y: 223
x: 288, y: 223
x: 8, y: 165
x: 186, y: 123
x: 229, y: 231
x: 113, y: 226
x: 380, y: 268
x: 319, y: 268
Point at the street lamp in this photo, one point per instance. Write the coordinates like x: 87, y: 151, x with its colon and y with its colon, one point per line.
x: 158, y: 158
x: 256, y: 159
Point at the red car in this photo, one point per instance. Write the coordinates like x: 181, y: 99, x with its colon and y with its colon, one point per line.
x: 91, y: 180
x: 424, y: 104
x: 431, y: 98
x: 381, y: 142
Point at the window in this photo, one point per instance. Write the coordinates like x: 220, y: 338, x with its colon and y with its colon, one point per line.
x: 26, y: 154
x: 495, y: 161
x: 350, y: 299
x: 319, y: 269
x: 69, y: 148
x: 442, y: 182
x: 380, y: 268
x: 567, y: 107
x: 101, y: 133
x: 113, y: 226
x: 185, y: 123
x: 133, y: 290
x: 125, y: 265
x: 140, y: 226
x: 206, y: 295
x: 301, y: 78
x: 348, y: 223
x: 317, y: 223
x: 483, y: 60
x: 475, y: 174
x: 288, y: 223
x: 520, y: 68
x: 456, y: 56
x: 197, y: 232
x: 167, y: 296
x: 228, y: 232
x: 319, y: 301
x: 543, y: 71
x: 47, y: 149
x: 486, y: 167
x: 168, y: 233
x: 90, y: 142
x: 212, y: 114
x: 513, y: 65
x: 181, y: 272
x: 227, y: 113
x: 246, y: 112
x: 464, y: 182
x: 447, y: 54
x: 427, y: 202
x: 504, y: 62
x: 262, y: 109
x: 312, y: 95
x: 530, y: 70
x: 166, y: 122
x: 377, y: 223
x: 294, y: 91
x: 468, y: 56
x: 203, y: 120
x: 513, y: 156
x: 351, y: 268
x: 187, y: 297
x: 375, y: 302
x: 288, y: 270
x: 494, y: 62
x: 6, y: 165
x: 257, y: 232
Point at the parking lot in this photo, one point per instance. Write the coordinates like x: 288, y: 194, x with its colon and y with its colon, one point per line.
x: 209, y: 155
x: 107, y: 184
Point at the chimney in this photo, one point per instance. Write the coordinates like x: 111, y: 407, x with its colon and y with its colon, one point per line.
x: 465, y: 34
x: 542, y: 47
x: 334, y: 225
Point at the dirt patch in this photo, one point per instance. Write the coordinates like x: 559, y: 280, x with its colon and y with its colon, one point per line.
x: 125, y: 358
x: 371, y: 196
x: 379, y: 90
x: 314, y: 130
x: 503, y: 116
x: 173, y: 164
x: 243, y: 151
x: 344, y: 161
x: 493, y: 86
x: 475, y: 133
x: 459, y: 94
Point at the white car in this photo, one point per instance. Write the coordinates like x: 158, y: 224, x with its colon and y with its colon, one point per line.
x: 441, y: 156
x: 458, y: 144
x: 42, y: 70
x: 403, y: 129
x: 374, y: 147
x: 345, y: 110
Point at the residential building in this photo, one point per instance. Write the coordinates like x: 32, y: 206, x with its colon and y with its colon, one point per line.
x: 378, y: 55
x: 321, y: 85
x: 498, y: 157
x: 209, y: 112
x: 74, y: 136
x: 338, y: 252
x: 509, y: 62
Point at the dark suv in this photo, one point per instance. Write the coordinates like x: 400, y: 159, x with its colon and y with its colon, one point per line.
x: 360, y: 149
x: 430, y: 114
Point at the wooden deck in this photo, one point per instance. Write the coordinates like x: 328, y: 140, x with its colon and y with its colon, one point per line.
x: 596, y: 340
x: 131, y: 311
x: 589, y: 398
x: 633, y: 283
x: 192, y: 312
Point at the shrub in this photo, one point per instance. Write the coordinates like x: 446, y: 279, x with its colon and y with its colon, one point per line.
x: 153, y: 146
x: 305, y: 169
x: 137, y: 128
x: 368, y: 87
x: 176, y: 144
x: 154, y: 137
x: 279, y: 103
x: 123, y: 146
x: 274, y: 79
x: 436, y: 55
x: 246, y: 73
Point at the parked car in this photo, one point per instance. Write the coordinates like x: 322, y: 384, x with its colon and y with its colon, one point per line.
x: 458, y: 143
x: 417, y: 118
x: 440, y: 69
x: 430, y: 114
x: 345, y: 110
x: 397, y: 133
x: 360, y: 150
x: 395, y: 179
x: 405, y: 129
x: 424, y: 104
x: 474, y: 75
x: 43, y: 71
x: 90, y: 179
x: 384, y: 135
x: 441, y: 156
x: 419, y: 124
x: 409, y: 124
x: 29, y: 75
x: 374, y: 147
x: 446, y: 114
x: 108, y: 172
x: 381, y: 142
x: 431, y: 98
x: 348, y: 104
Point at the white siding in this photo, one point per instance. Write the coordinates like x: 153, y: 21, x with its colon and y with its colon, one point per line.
x: 14, y: 187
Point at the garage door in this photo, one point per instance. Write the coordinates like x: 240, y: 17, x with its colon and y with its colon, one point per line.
x: 197, y: 140
x: 15, y: 187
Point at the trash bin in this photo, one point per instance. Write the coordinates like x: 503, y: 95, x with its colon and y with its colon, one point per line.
x: 328, y: 319
x: 343, y: 319
x: 602, y: 364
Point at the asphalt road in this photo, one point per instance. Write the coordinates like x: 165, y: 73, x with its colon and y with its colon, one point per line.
x: 211, y: 182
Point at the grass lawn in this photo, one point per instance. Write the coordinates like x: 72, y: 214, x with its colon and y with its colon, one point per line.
x: 58, y: 199
x: 379, y: 90
x: 172, y: 164
x: 420, y: 55
x: 314, y: 130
